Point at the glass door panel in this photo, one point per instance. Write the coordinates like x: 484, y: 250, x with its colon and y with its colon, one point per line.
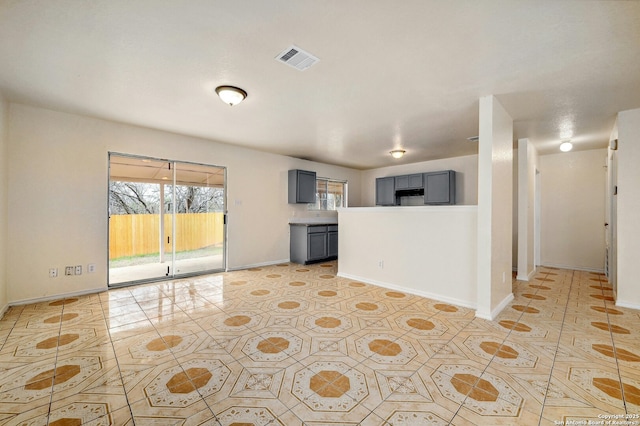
x: 135, y: 252
x: 199, y: 218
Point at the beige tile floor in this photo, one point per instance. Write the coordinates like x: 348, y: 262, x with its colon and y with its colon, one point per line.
x: 294, y: 345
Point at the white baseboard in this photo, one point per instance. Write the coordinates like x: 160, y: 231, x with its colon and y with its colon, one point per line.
x: 98, y: 290
x: 428, y: 295
x: 490, y: 316
x: 4, y: 310
x: 258, y: 265
x: 57, y: 296
x: 528, y: 276
x: 624, y: 304
x: 575, y: 268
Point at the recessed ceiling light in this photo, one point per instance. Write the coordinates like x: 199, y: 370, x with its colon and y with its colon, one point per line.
x: 231, y: 95
x: 566, y: 146
x: 397, y: 153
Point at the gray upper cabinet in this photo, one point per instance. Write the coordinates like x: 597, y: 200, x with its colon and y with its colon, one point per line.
x: 385, y: 191
x: 302, y: 186
x: 413, y: 181
x: 440, y: 187
x: 437, y: 188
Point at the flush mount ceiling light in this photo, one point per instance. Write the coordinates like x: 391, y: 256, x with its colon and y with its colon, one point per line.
x: 397, y: 153
x: 231, y: 95
x: 566, y: 146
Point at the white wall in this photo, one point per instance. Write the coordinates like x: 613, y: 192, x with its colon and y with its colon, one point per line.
x: 495, y: 203
x: 4, y: 136
x: 428, y: 250
x: 527, y: 166
x: 628, y: 235
x: 573, y: 209
x: 466, y: 168
x: 57, y: 191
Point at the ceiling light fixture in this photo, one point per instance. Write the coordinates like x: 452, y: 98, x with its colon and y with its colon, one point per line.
x: 397, y: 153
x: 566, y: 146
x: 231, y: 95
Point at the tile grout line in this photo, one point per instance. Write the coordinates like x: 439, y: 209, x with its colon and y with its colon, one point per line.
x: 615, y: 351
x: 504, y: 340
x: 202, y: 398
x: 124, y: 389
x: 477, y: 381
x: 55, y: 364
x: 237, y: 361
x: 553, y: 364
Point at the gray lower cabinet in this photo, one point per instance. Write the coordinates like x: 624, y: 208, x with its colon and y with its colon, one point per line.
x: 332, y: 242
x: 316, y: 243
x: 313, y: 243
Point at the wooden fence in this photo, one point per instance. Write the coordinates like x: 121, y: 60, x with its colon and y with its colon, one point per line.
x: 139, y: 234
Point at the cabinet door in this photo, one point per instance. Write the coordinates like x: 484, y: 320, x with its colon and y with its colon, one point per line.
x: 415, y: 181
x: 316, y: 246
x: 385, y: 192
x: 332, y: 244
x: 439, y: 187
x: 402, y: 182
x: 302, y: 186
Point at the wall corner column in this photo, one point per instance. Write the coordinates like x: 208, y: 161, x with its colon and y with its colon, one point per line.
x: 527, y: 166
x: 495, y: 197
x: 628, y: 204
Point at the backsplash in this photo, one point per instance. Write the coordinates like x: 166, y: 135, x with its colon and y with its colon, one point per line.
x: 313, y: 216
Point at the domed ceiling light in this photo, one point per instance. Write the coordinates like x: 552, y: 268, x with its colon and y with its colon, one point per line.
x: 566, y: 146
x: 397, y: 153
x: 231, y: 95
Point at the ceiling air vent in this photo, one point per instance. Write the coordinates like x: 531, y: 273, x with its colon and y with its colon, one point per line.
x: 297, y: 58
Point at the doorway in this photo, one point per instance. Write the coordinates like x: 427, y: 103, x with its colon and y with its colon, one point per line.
x: 611, y: 238
x: 166, y: 219
x: 536, y: 220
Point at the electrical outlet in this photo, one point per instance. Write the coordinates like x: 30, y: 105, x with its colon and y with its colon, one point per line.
x: 68, y: 270
x: 53, y: 272
x: 381, y: 264
x: 78, y: 270
x: 91, y: 268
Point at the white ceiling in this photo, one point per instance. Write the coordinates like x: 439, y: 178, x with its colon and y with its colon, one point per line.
x: 391, y: 73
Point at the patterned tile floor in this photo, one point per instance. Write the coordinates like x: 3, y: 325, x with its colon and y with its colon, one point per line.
x: 294, y: 345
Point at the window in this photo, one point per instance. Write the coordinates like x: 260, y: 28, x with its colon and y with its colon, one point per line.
x: 330, y: 194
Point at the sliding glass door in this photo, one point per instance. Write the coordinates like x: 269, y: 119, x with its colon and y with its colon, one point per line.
x: 166, y: 219
x: 198, y: 218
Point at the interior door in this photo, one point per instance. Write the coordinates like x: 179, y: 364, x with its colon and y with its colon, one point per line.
x: 166, y: 219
